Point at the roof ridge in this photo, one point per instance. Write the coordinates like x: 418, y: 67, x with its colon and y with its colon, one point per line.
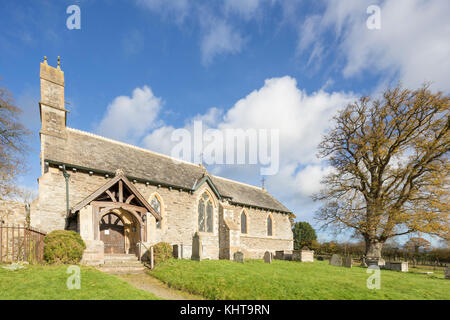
x: 235, y: 181
x: 130, y: 146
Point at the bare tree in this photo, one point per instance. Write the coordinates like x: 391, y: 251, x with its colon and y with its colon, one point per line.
x: 12, y: 144
x: 391, y: 169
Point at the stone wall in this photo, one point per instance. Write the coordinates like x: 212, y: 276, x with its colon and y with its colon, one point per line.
x: 12, y: 212
x: 178, y: 210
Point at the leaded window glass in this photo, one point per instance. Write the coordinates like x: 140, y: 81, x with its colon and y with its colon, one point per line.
x: 209, y: 210
x: 156, y: 204
x: 269, y: 225
x: 201, y: 215
x: 205, y: 214
x: 243, y: 223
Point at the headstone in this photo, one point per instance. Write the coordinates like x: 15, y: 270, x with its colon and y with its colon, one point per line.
x: 304, y: 255
x: 336, y: 260
x: 238, y: 257
x: 279, y: 255
x: 375, y: 261
x: 348, y: 262
x: 397, y: 266
x: 268, y: 257
x: 283, y: 255
x: 447, y: 273
x: 178, y: 251
x: 197, y: 248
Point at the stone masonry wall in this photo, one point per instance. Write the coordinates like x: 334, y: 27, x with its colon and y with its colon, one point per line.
x: 178, y: 210
x: 12, y: 212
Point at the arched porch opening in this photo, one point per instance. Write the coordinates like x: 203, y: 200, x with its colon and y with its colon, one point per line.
x: 119, y: 213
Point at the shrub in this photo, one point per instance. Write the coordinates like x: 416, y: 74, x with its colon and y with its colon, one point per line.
x: 63, y: 247
x: 162, y: 251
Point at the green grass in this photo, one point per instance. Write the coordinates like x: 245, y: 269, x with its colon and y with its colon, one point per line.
x: 295, y: 280
x: 49, y: 283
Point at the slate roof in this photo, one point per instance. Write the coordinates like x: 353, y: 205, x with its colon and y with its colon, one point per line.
x: 85, y: 150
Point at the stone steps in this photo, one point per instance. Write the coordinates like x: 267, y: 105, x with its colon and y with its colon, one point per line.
x: 122, y: 264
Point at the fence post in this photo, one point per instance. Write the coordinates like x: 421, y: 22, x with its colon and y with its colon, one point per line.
x: 7, y: 243
x: 1, y: 242
x: 25, y: 244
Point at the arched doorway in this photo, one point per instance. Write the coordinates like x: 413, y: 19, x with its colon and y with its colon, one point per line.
x: 112, y: 233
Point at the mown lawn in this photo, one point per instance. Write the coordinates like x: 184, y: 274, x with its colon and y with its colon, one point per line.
x: 49, y: 283
x: 295, y: 280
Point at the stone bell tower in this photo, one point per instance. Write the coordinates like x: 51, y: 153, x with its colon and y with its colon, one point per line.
x: 53, y: 112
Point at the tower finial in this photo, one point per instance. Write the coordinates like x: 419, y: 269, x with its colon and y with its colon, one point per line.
x: 45, y: 59
x: 263, y: 180
x: 59, y: 62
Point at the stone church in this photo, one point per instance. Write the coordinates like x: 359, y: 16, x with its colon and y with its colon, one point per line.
x: 124, y: 199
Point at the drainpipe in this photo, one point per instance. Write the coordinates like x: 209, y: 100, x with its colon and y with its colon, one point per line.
x: 66, y: 177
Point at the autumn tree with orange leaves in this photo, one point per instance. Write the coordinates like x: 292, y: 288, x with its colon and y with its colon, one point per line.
x: 391, y: 168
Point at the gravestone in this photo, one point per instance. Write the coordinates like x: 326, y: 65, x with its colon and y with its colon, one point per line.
x: 238, y: 257
x: 447, y: 273
x: 375, y: 262
x: 336, y: 260
x: 348, y: 262
x: 397, y: 266
x: 268, y: 257
x: 283, y: 255
x: 197, y: 247
x: 279, y: 255
x: 303, y: 255
x: 178, y: 251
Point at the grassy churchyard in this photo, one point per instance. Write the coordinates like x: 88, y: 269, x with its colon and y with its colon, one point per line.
x: 220, y: 279
x: 49, y: 283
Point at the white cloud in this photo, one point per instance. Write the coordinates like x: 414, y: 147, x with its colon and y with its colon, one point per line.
x: 129, y: 118
x: 220, y: 38
x: 302, y: 119
x: 412, y: 45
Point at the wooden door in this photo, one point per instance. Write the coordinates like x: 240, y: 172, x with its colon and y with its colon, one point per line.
x: 112, y: 233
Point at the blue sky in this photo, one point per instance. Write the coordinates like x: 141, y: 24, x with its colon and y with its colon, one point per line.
x: 227, y: 62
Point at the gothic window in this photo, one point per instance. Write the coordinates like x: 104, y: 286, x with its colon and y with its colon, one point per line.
x: 243, y: 222
x: 205, y: 214
x: 269, y: 225
x: 156, y: 204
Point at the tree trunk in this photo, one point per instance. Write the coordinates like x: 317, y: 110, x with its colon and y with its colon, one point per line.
x: 373, y: 248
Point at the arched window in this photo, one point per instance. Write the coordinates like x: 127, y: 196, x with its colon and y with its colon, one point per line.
x: 205, y: 213
x: 269, y: 225
x: 156, y: 204
x: 243, y: 222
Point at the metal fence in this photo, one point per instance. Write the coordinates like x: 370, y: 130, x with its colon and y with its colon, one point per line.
x: 20, y: 243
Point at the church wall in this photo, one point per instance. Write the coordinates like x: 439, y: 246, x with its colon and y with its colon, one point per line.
x: 179, y: 211
x: 49, y: 212
x: 180, y: 220
x: 256, y: 241
x: 12, y: 212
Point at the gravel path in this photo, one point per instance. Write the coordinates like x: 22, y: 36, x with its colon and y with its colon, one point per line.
x: 148, y: 283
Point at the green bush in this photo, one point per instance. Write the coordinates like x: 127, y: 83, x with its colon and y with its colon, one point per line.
x: 63, y: 247
x: 162, y: 251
